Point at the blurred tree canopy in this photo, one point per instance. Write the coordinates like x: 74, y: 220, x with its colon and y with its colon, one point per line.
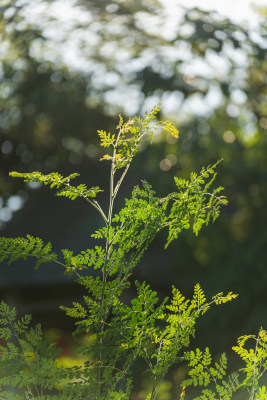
x: 68, y: 68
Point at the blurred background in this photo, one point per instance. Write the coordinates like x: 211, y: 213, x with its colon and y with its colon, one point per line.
x: 68, y: 68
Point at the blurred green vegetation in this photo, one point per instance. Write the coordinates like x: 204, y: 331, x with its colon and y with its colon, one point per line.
x: 66, y: 72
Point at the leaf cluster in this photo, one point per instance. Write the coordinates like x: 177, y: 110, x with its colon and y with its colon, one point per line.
x: 55, y: 180
x: 27, y: 362
x: 255, y: 360
x: 212, y: 376
x: 125, y: 144
x: 13, y: 249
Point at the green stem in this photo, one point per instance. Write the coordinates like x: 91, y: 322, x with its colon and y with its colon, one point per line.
x: 96, y: 205
x: 63, y: 265
x: 104, y: 275
x: 251, y: 397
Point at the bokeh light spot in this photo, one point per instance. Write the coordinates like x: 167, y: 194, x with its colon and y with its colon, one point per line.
x: 263, y: 122
x: 165, y: 164
x: 6, y: 147
x: 229, y: 136
x: 15, y: 202
x: 172, y: 158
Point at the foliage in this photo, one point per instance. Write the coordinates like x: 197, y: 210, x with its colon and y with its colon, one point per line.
x: 120, y: 333
x: 213, y: 378
x: 50, y: 109
x: 202, y: 373
x: 255, y: 363
x: 26, y: 360
x: 14, y: 249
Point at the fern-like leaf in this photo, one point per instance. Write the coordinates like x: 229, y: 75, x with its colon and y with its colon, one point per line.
x: 56, y: 180
x: 13, y: 249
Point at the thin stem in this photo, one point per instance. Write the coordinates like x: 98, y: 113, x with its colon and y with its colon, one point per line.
x: 155, y: 389
x: 121, y: 179
x: 63, y: 265
x: 94, y: 203
x: 251, y: 397
x: 97, y: 206
x: 108, y: 244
